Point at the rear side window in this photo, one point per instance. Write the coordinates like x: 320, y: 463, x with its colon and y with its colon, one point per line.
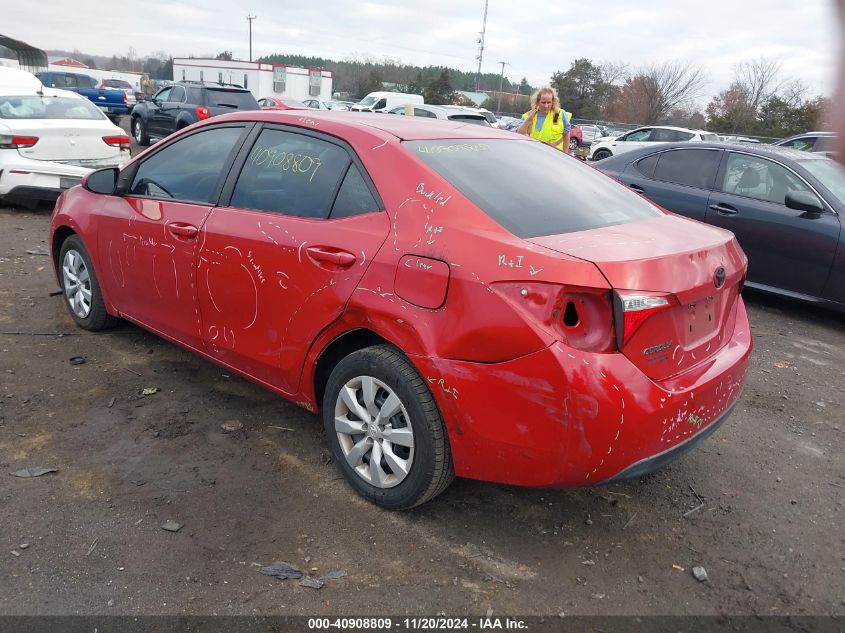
x: 354, y: 197
x: 291, y: 174
x: 690, y: 167
x: 646, y: 165
x: 710, y: 138
x: 530, y: 188
x: 666, y: 136
x: 235, y: 99
x: 188, y: 169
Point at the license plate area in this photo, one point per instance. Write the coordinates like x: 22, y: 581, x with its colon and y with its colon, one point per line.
x: 67, y: 183
x: 700, y: 320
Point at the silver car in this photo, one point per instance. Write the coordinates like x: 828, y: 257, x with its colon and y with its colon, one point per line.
x: 449, y: 113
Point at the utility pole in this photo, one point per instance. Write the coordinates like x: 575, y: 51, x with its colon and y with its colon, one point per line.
x: 481, y: 47
x: 250, y: 18
x: 501, y: 84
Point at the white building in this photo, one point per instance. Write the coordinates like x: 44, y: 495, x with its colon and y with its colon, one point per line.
x: 262, y: 80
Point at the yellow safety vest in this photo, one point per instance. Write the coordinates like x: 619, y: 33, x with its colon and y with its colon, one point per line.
x: 551, y: 132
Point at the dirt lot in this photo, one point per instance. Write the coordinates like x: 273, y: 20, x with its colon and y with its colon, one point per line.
x: 769, y: 533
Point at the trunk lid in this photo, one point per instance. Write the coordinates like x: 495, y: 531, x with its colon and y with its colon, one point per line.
x: 699, y: 269
x: 66, y: 140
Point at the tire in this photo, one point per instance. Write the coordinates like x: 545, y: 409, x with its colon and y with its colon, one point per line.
x: 412, y: 470
x: 80, y: 289
x: 573, y: 143
x: 602, y: 154
x: 139, y: 131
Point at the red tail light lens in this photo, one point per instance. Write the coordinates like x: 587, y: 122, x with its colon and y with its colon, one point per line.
x: 634, y: 308
x: 16, y: 142
x: 121, y: 141
x: 580, y: 317
x: 202, y: 113
x: 124, y: 98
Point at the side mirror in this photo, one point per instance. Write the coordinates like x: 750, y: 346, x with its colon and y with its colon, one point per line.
x: 102, y: 181
x: 804, y: 201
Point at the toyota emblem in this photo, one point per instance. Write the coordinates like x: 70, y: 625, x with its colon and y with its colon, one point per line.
x: 719, y: 277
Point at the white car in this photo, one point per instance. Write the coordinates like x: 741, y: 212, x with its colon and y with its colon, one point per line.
x: 449, y: 113
x: 606, y: 147
x: 51, y: 138
x: 317, y: 104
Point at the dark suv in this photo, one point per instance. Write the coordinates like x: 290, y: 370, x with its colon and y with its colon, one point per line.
x: 824, y: 142
x: 185, y: 102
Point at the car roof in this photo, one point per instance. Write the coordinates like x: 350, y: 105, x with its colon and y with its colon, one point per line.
x: 759, y: 149
x: 15, y: 78
x: 406, y: 128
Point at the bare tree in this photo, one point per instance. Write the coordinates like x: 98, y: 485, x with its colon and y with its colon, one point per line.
x: 759, y: 79
x: 665, y: 86
x: 794, y: 92
x: 614, y: 73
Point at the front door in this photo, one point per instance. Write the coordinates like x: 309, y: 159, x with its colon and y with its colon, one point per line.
x: 786, y: 248
x: 150, y: 235
x: 279, y: 263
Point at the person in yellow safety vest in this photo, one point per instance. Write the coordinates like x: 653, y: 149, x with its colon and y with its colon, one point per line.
x: 547, y: 121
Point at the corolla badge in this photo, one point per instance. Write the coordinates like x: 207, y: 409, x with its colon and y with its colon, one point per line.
x: 719, y: 277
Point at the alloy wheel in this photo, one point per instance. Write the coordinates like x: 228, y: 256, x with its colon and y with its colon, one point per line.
x: 77, y: 283
x: 374, y: 431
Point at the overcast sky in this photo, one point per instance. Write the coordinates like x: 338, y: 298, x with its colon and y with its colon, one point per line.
x: 536, y: 40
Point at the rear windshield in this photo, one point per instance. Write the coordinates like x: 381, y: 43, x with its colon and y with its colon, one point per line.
x: 469, y: 118
x: 116, y: 83
x: 35, y: 107
x: 235, y: 99
x: 532, y: 189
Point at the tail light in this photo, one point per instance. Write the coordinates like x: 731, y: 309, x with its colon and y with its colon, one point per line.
x: 634, y: 308
x: 8, y: 141
x: 202, y: 113
x: 581, y: 317
x: 124, y: 98
x: 122, y: 141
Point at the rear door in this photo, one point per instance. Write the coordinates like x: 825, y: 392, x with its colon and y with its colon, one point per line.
x: 150, y: 235
x: 278, y: 263
x: 678, y: 180
x: 786, y: 248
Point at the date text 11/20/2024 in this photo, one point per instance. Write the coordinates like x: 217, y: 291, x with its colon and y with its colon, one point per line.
x: 417, y: 624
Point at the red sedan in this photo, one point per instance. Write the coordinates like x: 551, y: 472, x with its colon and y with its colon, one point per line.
x: 281, y: 103
x: 440, y: 292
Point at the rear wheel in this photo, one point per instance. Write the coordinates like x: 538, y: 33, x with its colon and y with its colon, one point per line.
x: 81, y: 291
x: 385, y: 430
x: 573, y: 143
x: 602, y: 154
x: 139, y: 131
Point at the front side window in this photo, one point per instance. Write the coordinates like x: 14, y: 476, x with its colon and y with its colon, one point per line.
x: 690, y: 167
x: 804, y: 144
x: 188, y: 169
x: 163, y: 94
x: 417, y: 112
x: 290, y: 174
x: 62, y: 80
x: 637, y: 135
x: 382, y: 103
x: 759, y: 178
x: 177, y: 95
x: 526, y: 187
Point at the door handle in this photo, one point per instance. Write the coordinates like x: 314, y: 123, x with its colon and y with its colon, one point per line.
x: 338, y: 258
x: 637, y: 188
x: 723, y: 209
x: 187, y: 231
